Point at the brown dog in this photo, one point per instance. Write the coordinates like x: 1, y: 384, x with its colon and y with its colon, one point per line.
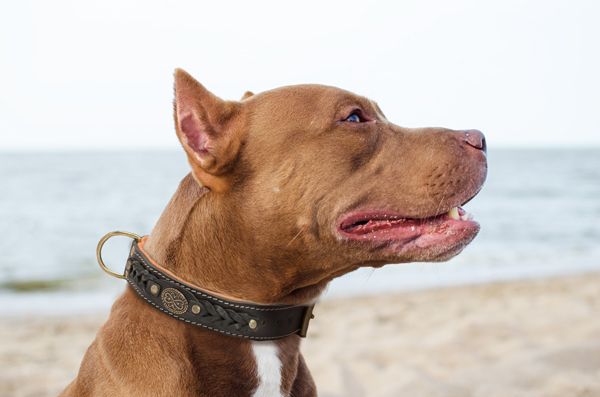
x: 289, y: 189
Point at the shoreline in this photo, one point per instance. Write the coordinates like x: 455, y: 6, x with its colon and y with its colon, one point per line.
x: 519, y: 338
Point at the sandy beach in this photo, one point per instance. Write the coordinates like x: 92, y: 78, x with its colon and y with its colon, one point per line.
x: 514, y: 339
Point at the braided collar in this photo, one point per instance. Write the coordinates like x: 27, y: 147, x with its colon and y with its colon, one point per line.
x: 193, y: 305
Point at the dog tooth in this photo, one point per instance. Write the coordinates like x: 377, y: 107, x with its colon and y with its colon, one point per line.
x: 453, y: 213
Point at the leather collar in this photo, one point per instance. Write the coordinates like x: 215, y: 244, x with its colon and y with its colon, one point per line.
x: 193, y: 305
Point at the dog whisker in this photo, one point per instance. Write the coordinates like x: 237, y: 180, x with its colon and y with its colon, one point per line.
x: 441, y: 200
x: 367, y: 280
x: 288, y: 244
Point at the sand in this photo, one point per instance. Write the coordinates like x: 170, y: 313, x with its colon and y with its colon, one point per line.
x: 514, y: 339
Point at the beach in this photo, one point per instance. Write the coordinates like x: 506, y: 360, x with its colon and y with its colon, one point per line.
x: 515, y: 339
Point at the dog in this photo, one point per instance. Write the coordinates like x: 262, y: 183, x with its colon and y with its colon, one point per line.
x: 289, y: 189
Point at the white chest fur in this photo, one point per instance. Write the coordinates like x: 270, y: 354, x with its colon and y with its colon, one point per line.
x: 268, y: 369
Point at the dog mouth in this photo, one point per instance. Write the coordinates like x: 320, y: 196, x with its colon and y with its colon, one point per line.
x: 431, y: 237
x: 367, y: 224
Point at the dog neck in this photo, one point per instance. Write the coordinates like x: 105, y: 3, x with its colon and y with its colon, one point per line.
x: 194, y: 305
x: 188, y: 240
x: 182, y: 239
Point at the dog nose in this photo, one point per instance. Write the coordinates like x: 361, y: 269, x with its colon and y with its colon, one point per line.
x: 476, y: 139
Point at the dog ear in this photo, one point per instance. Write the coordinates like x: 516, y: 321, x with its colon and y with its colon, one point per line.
x: 247, y: 95
x: 205, y: 127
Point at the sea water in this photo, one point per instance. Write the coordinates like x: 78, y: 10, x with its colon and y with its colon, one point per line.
x: 539, y: 212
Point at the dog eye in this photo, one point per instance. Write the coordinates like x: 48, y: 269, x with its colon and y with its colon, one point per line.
x: 353, y: 118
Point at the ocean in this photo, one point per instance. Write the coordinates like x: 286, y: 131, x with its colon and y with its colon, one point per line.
x: 539, y: 212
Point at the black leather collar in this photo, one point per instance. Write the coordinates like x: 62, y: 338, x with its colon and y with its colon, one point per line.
x: 209, y: 311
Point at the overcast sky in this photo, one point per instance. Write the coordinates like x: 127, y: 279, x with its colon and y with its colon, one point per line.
x: 98, y: 74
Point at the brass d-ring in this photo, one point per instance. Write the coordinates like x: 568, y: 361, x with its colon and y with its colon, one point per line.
x: 101, y: 244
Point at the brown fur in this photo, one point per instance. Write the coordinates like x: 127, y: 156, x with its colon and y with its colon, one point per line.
x: 257, y: 220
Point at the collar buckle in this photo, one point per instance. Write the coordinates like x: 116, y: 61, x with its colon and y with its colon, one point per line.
x: 305, y: 320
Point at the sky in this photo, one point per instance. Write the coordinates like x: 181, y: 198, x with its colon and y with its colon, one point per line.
x: 96, y: 75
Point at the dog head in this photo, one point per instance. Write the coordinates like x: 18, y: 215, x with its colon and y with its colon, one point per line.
x: 312, y: 182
